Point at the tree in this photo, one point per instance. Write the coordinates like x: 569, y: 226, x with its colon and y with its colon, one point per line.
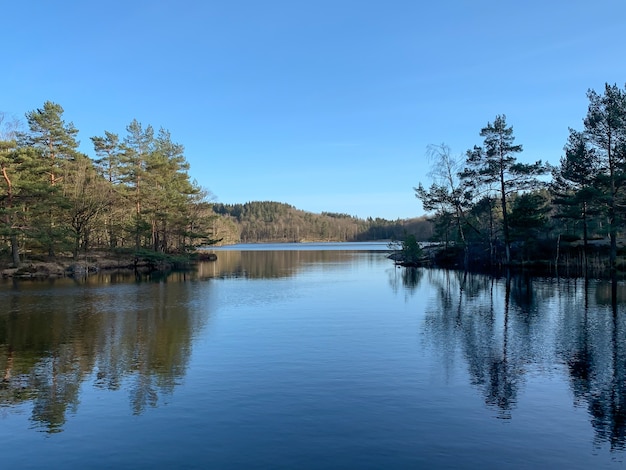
x: 574, y: 183
x: 411, y: 251
x: 109, y: 154
x: 55, y: 139
x: 171, y: 191
x: 86, y: 193
x: 605, y: 131
x: 55, y: 142
x: 495, y: 166
x: 8, y: 148
x: 449, y: 196
x: 35, y: 203
x: 528, y: 216
x: 109, y: 165
x: 138, y: 145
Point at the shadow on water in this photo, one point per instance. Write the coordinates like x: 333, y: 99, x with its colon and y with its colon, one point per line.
x: 507, y: 326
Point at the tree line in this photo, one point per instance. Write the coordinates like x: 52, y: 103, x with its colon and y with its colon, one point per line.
x: 488, y: 209
x: 269, y: 221
x: 135, y: 194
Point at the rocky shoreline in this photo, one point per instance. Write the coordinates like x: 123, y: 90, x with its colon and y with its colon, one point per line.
x: 97, y: 263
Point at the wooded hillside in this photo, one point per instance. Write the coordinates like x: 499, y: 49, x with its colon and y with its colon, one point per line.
x: 268, y: 221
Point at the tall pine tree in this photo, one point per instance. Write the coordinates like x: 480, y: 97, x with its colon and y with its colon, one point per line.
x: 495, y: 167
x: 605, y: 131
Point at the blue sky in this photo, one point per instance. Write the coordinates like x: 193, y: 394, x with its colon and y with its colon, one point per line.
x: 325, y: 105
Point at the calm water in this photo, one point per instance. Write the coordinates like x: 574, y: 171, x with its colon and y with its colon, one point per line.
x: 312, y: 358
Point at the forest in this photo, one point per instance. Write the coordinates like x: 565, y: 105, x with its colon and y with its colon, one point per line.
x: 267, y: 221
x: 135, y: 196
x: 490, y: 210
x: 485, y: 208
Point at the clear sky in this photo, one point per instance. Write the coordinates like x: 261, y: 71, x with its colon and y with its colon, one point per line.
x: 325, y: 105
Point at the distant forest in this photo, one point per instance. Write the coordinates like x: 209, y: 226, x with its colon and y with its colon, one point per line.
x: 268, y: 221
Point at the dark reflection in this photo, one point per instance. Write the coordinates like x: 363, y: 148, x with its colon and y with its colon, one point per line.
x: 592, y: 346
x: 474, y: 312
x: 53, y: 340
x: 507, y: 326
x: 408, y: 279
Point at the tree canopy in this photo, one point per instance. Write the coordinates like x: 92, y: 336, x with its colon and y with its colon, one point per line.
x: 136, y: 192
x: 502, y: 211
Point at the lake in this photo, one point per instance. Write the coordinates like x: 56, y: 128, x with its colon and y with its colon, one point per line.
x: 312, y: 356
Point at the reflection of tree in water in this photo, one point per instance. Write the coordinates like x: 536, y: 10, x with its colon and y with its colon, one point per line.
x: 592, y: 346
x: 407, y: 279
x: 51, y: 344
x: 150, y: 344
x: 496, y: 324
x: 42, y: 362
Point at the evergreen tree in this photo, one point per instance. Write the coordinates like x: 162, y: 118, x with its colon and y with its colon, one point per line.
x: 52, y: 136
x: 55, y: 142
x: 8, y: 149
x: 171, y: 191
x: 495, y: 166
x: 109, y: 155
x: 528, y: 217
x: 605, y: 131
x: 574, y: 183
x: 138, y: 145
x: 110, y: 152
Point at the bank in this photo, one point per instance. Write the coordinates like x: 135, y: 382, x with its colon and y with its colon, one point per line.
x: 141, y: 262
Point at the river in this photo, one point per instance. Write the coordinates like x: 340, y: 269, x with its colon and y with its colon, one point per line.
x: 312, y: 356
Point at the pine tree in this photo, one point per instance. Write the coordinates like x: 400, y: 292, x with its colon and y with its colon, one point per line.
x: 138, y: 145
x: 52, y: 136
x: 605, y: 131
x: 495, y: 166
x: 574, y: 183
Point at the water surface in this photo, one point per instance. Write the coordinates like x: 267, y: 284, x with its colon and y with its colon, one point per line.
x: 312, y: 358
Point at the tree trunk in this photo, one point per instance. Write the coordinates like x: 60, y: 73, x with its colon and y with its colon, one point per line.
x: 585, y: 238
x: 15, y: 252
x: 505, y: 220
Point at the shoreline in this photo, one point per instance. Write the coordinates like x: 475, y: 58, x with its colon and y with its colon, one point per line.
x: 101, y: 262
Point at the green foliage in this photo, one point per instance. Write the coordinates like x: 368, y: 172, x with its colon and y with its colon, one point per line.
x: 605, y: 130
x: 504, y: 214
x: 411, y: 251
x: 264, y: 221
x: 137, y: 192
x: 494, y: 168
x: 528, y: 214
x: 337, y: 215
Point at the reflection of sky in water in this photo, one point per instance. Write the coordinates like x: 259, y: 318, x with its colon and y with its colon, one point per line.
x: 305, y: 246
x: 325, y: 361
